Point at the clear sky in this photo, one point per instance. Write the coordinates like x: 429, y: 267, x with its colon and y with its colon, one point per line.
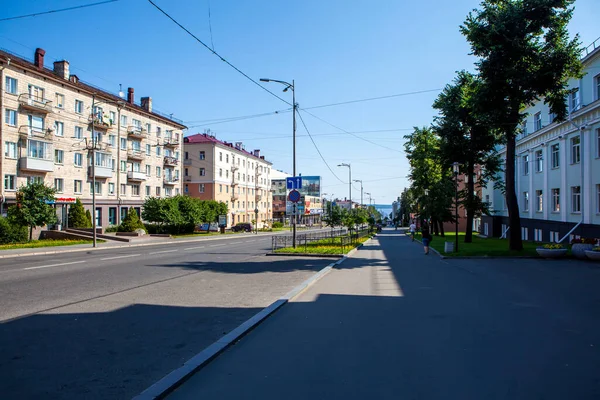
x: 335, y: 50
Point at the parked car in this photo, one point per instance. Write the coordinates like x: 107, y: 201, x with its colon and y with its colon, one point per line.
x: 242, y: 227
x: 213, y: 227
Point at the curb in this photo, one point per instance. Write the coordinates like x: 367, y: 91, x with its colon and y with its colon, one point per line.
x: 443, y: 257
x: 306, y: 255
x: 177, y: 377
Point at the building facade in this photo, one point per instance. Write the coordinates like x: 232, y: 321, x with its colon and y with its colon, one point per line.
x: 226, y: 172
x: 557, y: 166
x: 54, y: 125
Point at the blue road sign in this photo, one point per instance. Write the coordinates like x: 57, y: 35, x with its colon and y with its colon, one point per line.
x: 295, y: 182
x: 294, y: 196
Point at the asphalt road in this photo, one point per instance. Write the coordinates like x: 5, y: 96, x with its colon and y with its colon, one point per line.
x: 392, y: 323
x: 107, y: 324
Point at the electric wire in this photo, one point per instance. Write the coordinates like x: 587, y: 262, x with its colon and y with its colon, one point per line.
x: 58, y: 10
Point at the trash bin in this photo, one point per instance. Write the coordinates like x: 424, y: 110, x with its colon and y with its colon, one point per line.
x: 449, y: 247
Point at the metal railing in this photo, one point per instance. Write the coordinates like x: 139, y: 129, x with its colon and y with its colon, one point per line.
x: 336, y: 237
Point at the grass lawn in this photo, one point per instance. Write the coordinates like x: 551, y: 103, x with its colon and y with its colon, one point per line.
x: 480, y: 246
x: 46, y: 243
x: 326, y: 246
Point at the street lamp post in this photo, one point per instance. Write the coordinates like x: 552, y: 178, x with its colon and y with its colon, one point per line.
x: 349, y: 182
x: 361, y: 192
x: 293, y: 87
x: 425, y: 203
x: 455, y: 169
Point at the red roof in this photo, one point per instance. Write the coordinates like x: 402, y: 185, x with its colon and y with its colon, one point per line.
x: 206, y: 138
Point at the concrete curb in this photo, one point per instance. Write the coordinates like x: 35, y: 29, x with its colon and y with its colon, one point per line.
x: 443, y: 257
x: 177, y: 377
x: 306, y: 255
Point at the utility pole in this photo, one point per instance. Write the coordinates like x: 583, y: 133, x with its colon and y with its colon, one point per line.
x: 361, y: 192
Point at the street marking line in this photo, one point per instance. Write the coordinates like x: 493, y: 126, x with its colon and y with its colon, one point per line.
x: 194, y: 248
x: 164, y: 251
x: 114, y: 258
x: 53, y: 265
x: 217, y: 245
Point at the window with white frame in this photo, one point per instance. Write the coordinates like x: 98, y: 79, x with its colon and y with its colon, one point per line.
x: 201, y: 187
x: 112, y: 140
x: 539, y: 200
x: 59, y: 128
x: 524, y: 233
x: 147, y: 190
x: 158, y: 191
x: 158, y: 172
x: 39, y: 150
x: 123, y: 189
x: 168, y: 191
x: 60, y: 100
x: 10, y: 117
x: 79, y: 106
x: 98, y: 188
x: 539, y: 165
x: 555, y: 149
x: 148, y: 170
x: 148, y: 128
x: 10, y: 150
x: 524, y: 128
x: 77, y: 186
x: 158, y: 152
x: 575, y: 149
x: 123, y: 166
x: 148, y: 150
x: 574, y: 102
x: 221, y: 172
x: 227, y: 158
x: 202, y: 155
x: 220, y: 156
x: 10, y: 85
x: 113, y: 117
x: 158, y: 131
x: 576, y: 199
x: 537, y: 121
x: 597, y: 87
x: 10, y: 182
x: 598, y: 142
x: 124, y: 120
x: 58, y: 185
x: 135, y: 190
x: 78, y: 159
x: 537, y: 235
x: 59, y: 156
x: 556, y: 199
x: 34, y: 179
x: 202, y: 172
x: 78, y: 134
x: 525, y: 201
x: 526, y: 165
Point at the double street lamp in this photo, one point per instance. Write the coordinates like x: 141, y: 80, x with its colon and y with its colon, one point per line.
x: 294, y: 106
x: 349, y: 182
x: 455, y: 170
x: 361, y: 192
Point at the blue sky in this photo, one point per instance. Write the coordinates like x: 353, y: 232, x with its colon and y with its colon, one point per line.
x: 335, y: 51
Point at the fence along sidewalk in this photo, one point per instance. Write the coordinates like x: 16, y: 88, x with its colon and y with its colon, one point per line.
x: 338, y: 236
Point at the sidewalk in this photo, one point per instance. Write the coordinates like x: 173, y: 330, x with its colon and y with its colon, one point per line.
x: 392, y: 323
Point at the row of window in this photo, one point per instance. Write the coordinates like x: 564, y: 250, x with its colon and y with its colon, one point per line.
x: 250, y: 164
x: 39, y: 94
x: 555, y: 198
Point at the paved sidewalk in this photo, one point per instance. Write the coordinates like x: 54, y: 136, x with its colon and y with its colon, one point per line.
x: 392, y: 323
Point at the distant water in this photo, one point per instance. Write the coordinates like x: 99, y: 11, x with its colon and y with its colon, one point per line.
x: 385, y: 209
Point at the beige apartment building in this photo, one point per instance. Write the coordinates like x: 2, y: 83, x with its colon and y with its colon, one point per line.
x: 51, y: 132
x: 226, y: 172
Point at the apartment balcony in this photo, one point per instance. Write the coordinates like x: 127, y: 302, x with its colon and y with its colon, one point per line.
x: 234, y: 196
x: 234, y: 168
x: 136, y: 176
x: 100, y: 123
x: 135, y: 154
x: 136, y: 132
x: 187, y: 178
x: 101, y: 171
x: 235, y: 182
x: 36, y: 164
x: 171, y: 161
x: 187, y: 162
x: 171, y: 180
x: 35, y: 103
x: 171, y: 142
x: 29, y: 131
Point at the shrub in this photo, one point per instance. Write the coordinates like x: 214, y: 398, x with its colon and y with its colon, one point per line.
x: 112, y: 228
x: 584, y: 241
x: 88, y: 216
x: 553, y: 246
x: 131, y: 222
x: 79, y: 217
x: 597, y: 248
x: 278, y: 224
x: 10, y: 232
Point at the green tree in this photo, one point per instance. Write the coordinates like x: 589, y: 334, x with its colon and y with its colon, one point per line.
x: 467, y: 137
x: 525, y: 54
x: 11, y: 232
x: 131, y: 222
x: 33, y: 208
x: 88, y: 216
x: 78, y: 218
x: 333, y: 215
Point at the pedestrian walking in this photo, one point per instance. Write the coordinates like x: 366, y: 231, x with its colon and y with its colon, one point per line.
x: 426, y: 237
x: 413, y: 229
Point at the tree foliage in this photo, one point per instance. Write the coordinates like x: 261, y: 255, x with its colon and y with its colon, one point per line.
x: 181, y: 214
x: 33, y: 207
x: 333, y: 215
x: 131, y: 222
x: 11, y: 232
x: 78, y: 217
x: 525, y: 54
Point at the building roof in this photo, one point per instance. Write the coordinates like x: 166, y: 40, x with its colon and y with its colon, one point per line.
x: 206, y: 138
x: 77, y: 84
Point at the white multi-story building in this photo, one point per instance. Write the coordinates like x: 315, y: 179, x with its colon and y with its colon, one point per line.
x: 50, y: 129
x: 557, y: 166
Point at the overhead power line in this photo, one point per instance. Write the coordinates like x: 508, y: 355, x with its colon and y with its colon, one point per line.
x: 217, y: 54
x: 372, y: 98
x: 58, y: 10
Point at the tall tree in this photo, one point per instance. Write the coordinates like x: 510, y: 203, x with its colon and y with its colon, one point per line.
x: 77, y: 216
x: 33, y: 207
x: 467, y: 138
x: 525, y: 54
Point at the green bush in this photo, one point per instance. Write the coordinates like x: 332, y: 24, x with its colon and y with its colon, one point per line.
x: 112, y: 228
x: 88, y: 216
x: 11, y: 232
x: 131, y: 222
x: 79, y: 217
x: 277, y: 224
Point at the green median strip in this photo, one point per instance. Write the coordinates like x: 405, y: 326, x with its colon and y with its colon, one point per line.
x: 45, y: 243
x: 325, y: 246
x: 490, y: 247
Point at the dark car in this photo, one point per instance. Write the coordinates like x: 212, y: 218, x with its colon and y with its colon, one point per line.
x: 242, y: 227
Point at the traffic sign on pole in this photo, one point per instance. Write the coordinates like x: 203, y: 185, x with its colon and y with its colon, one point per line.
x: 294, y: 196
x: 295, y: 182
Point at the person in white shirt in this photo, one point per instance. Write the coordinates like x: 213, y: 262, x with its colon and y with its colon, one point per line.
x: 413, y: 229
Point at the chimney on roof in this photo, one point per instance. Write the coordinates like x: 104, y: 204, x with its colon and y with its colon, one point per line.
x: 74, y: 78
x: 262, y: 157
x: 256, y: 153
x: 147, y: 103
x: 61, y: 68
x: 38, y: 59
x: 130, y: 95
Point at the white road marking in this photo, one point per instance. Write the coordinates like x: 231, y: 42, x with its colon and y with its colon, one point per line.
x: 194, y: 248
x: 53, y: 265
x: 114, y: 258
x: 217, y: 245
x: 164, y: 251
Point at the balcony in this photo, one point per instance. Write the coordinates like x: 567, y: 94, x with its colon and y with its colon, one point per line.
x: 170, y: 180
x: 101, y: 172
x: 101, y: 123
x: 171, y: 142
x: 187, y: 178
x: 36, y: 164
x: 234, y: 196
x: 187, y: 162
x: 136, y: 132
x: 234, y: 168
x: 135, y: 154
x: 29, y: 131
x: 35, y: 103
x: 136, y: 176
x: 171, y: 161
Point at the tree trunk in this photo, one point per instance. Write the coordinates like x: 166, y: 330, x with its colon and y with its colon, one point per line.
x: 434, y: 224
x: 514, y: 220
x: 441, y: 225
x: 31, y: 233
x: 470, y: 202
